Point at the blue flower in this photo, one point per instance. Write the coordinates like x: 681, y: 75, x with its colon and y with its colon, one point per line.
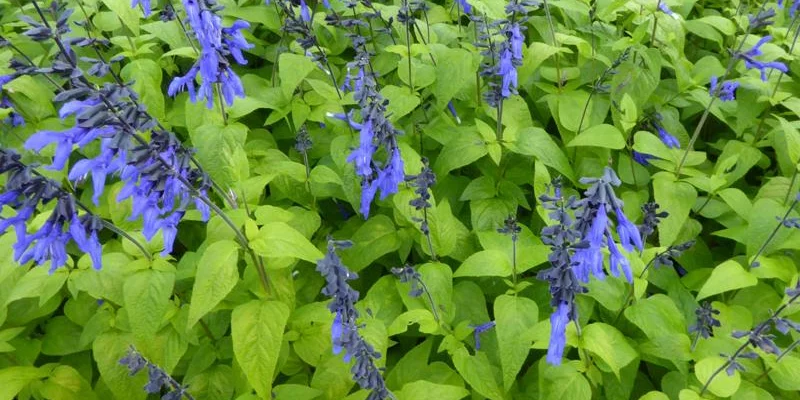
x: 362, y: 155
x: 751, y: 63
x: 642, y: 158
x: 169, y: 230
x: 508, y: 72
x: 793, y: 8
x: 99, y: 167
x: 392, y: 175
x: 145, y: 6
x: 91, y: 244
x: 233, y: 38
x: 629, y: 235
x: 452, y: 110
x: 465, y: 5
x: 517, y: 41
x: 662, y: 5
x: 558, y: 333
x: 304, y: 12
x: 337, y: 329
x: 589, y: 260
x: 728, y: 90
x: 479, y: 329
x: 669, y: 140
x: 616, y: 260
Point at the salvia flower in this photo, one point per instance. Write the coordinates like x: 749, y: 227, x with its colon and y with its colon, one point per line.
x: 452, y: 110
x: 669, y: 140
x: 650, y: 219
x: 706, y: 322
x: 564, y: 240
x: 158, y: 380
x: 216, y: 44
x: 662, y: 5
x: 408, y: 274
x: 751, y: 63
x: 642, y: 158
x: 478, y: 330
x: 464, y: 6
x: 727, y: 92
x: 24, y: 190
x: 423, y: 182
x: 793, y: 8
x: 145, y: 6
x: 344, y: 331
x: 762, y: 19
x: 13, y: 119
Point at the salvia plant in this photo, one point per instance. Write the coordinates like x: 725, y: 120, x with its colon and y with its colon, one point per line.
x: 551, y: 199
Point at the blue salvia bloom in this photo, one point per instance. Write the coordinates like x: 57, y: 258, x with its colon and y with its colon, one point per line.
x: 375, y: 132
x: 705, y: 320
x: 662, y: 5
x: 145, y: 6
x: 669, y: 140
x: 158, y: 380
x: 465, y: 6
x: 727, y: 92
x: 593, y: 223
x: 344, y: 330
x: 479, y: 329
x: 423, y: 182
x: 305, y: 14
x: 751, y: 63
x: 216, y: 44
x: 452, y: 110
x: 24, y: 190
x: 564, y: 240
x: 13, y: 119
x: 762, y: 19
x: 642, y: 158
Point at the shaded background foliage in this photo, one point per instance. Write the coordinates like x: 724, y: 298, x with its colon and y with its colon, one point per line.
x: 408, y: 199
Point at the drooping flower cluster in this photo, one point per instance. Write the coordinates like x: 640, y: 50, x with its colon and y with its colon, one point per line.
x: 423, y: 183
x: 751, y: 63
x: 217, y: 44
x: 158, y: 380
x: 158, y: 174
x: 594, y: 225
x: 24, y: 191
x: 650, y: 219
x: 375, y: 132
x: 344, y: 331
x: 726, y: 92
x: 706, y: 322
x: 564, y: 241
x: 503, y: 57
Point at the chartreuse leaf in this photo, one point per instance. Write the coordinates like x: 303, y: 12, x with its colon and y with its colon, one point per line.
x: 479, y: 373
x: 452, y: 75
x: 725, y: 277
x: 128, y: 15
x: 428, y: 390
x: 657, y: 315
x: 515, y: 316
x: 147, y: 295
x: 462, y: 150
x: 654, y: 395
x: 603, y: 135
x: 609, y: 345
x: 295, y: 392
x: 723, y: 385
x: 376, y: 238
x: 678, y: 198
x: 217, y: 274
x: 220, y: 149
x: 107, y: 350
x: 536, y: 142
x: 65, y: 382
x: 14, y: 379
x: 257, y: 333
x: 562, y: 382
x: 277, y: 240
x: 785, y: 373
x: 485, y: 263
x: 146, y: 77
x: 292, y: 69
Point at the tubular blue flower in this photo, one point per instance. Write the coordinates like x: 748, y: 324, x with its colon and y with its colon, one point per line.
x: 146, y: 8
x: 13, y: 118
x: 662, y: 5
x: 465, y: 6
x: 516, y: 40
x: 337, y: 329
x: 616, y: 260
x: 99, y: 167
x: 169, y: 230
x: 589, y: 260
x: 392, y: 175
x: 233, y: 38
x: 479, y: 329
x: 642, y: 158
x: 629, y: 235
x: 304, y: 12
x: 793, y: 8
x: 558, y: 333
x: 452, y: 110
x: 362, y: 156
x: 91, y: 244
x: 669, y: 140
x: 751, y: 63
x: 728, y: 90
x: 508, y: 72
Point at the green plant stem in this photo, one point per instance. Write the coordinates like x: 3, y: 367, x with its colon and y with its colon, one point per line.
x: 774, y: 232
x: 555, y: 42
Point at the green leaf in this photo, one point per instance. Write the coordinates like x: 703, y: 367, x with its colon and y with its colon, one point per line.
x: 257, y: 333
x: 292, y: 69
x: 295, y: 392
x: 127, y: 14
x: 479, y: 373
x: 146, y: 76
x: 428, y: 390
x: 217, y: 274
x: 515, y: 316
x: 14, y: 379
x: 603, y: 135
x: 785, y: 374
x: 147, y: 295
x: 107, y: 350
x: 65, y: 382
x: 38, y: 282
x: 220, y: 150
x: 607, y: 343
x: 462, y: 150
x: 722, y: 385
x: 562, y: 382
x: 725, y: 277
x: 401, y: 102
x: 678, y: 198
x: 278, y: 240
x: 654, y: 395
x: 485, y: 263
x: 538, y: 143
x: 453, y: 74
x: 657, y: 315
x: 376, y: 238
